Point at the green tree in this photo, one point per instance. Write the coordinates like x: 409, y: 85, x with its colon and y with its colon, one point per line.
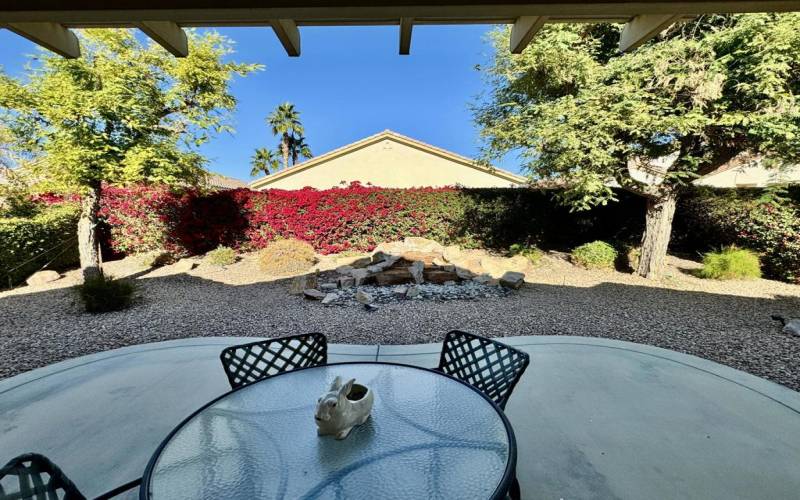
x: 650, y: 121
x: 122, y: 113
x: 298, y: 147
x: 264, y: 161
x: 284, y: 122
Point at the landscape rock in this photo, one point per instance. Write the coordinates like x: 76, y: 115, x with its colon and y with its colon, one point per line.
x: 360, y: 276
x: 314, y: 294
x: 426, y: 258
x: 156, y: 258
x: 363, y: 297
x: 185, y: 265
x: 464, y: 274
x: 301, y: 283
x: 412, y: 291
x: 792, y: 327
x: 400, y: 290
x: 344, y: 269
x: 42, y: 277
x: 346, y: 282
x: 452, y: 253
x: 416, y: 269
x: 440, y: 276
x: 512, y: 279
x: 395, y: 276
x: 330, y: 298
x: 390, y: 248
x: 328, y: 287
x: 484, y: 279
x: 415, y: 243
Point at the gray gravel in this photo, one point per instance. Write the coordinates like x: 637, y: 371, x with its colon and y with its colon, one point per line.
x: 725, y: 322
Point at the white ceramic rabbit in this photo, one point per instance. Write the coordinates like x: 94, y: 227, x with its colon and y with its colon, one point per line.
x: 342, y: 408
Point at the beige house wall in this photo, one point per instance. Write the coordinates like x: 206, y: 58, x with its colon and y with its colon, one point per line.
x: 388, y: 162
x: 751, y: 176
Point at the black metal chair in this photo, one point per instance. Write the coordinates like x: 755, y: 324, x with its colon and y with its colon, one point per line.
x: 248, y: 363
x: 37, y: 478
x: 492, y: 367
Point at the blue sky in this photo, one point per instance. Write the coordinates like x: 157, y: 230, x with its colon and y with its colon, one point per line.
x: 349, y: 83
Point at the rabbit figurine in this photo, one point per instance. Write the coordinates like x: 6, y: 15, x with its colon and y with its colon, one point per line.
x: 342, y: 408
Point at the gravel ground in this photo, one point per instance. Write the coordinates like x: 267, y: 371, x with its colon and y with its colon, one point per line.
x: 727, y: 322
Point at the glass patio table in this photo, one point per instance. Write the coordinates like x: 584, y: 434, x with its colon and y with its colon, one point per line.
x: 429, y: 436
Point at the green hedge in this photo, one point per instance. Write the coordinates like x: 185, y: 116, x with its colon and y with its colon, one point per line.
x: 47, y: 236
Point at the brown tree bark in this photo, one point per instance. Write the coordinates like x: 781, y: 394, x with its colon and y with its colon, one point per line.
x: 88, y: 244
x: 285, y: 150
x: 658, y: 227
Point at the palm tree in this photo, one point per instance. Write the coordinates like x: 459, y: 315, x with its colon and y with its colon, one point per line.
x: 264, y: 160
x: 285, y: 122
x: 298, y: 147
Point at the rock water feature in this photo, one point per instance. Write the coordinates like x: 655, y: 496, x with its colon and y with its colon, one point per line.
x: 417, y: 269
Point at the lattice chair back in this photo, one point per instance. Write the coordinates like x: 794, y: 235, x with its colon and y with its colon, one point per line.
x: 34, y: 477
x: 492, y: 367
x: 248, y: 363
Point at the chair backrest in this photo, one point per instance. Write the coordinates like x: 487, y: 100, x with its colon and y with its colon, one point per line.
x: 248, y: 363
x: 492, y: 367
x: 34, y: 477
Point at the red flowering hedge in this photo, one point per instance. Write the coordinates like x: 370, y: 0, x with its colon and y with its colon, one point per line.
x: 353, y: 218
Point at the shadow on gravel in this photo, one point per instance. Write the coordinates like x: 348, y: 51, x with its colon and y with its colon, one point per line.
x: 40, y: 328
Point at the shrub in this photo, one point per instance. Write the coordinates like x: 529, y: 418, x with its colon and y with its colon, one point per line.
x: 27, y: 244
x: 221, y: 256
x: 731, y: 264
x: 595, y: 255
x: 287, y: 257
x: 532, y: 253
x: 104, y: 294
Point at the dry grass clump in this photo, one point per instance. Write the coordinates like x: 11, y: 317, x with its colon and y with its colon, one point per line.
x: 287, y: 257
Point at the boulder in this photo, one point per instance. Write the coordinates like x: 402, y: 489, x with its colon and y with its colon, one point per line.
x: 415, y: 243
x: 512, y: 279
x: 363, y: 297
x: 328, y: 287
x: 396, y: 276
x: 42, y: 277
x: 346, y: 282
x: 484, y: 279
x: 416, y: 269
x: 301, y: 283
x: 400, y: 290
x: 361, y: 262
x: 361, y: 276
x: 464, y: 274
x: 330, y: 298
x: 498, y: 266
x: 344, y: 269
x: 452, y: 253
x: 440, y: 276
x: 389, y: 248
x: 427, y: 258
x: 185, y: 265
x: 314, y: 294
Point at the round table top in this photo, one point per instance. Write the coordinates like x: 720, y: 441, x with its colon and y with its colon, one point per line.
x: 429, y: 436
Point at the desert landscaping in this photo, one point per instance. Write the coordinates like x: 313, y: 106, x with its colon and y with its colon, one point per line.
x: 192, y: 297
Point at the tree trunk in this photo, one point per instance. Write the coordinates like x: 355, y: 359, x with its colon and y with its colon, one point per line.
x: 285, y: 151
x: 658, y: 226
x: 88, y: 246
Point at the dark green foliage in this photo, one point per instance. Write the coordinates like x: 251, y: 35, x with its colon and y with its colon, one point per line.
x: 710, y: 219
x: 595, y: 255
x: 731, y: 264
x: 27, y: 244
x: 103, y: 294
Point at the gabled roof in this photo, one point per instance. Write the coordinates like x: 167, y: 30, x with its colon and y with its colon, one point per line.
x: 387, y: 134
x: 220, y: 181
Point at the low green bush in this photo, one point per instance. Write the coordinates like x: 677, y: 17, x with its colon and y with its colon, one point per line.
x: 731, y: 264
x: 28, y: 243
x: 221, y: 256
x: 532, y: 253
x: 104, y: 294
x: 595, y: 255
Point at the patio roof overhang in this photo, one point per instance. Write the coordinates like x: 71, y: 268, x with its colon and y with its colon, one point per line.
x: 48, y: 23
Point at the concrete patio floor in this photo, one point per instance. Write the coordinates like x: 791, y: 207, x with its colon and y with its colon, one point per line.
x: 594, y: 418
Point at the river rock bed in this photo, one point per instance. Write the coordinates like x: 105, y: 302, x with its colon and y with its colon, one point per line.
x: 468, y: 290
